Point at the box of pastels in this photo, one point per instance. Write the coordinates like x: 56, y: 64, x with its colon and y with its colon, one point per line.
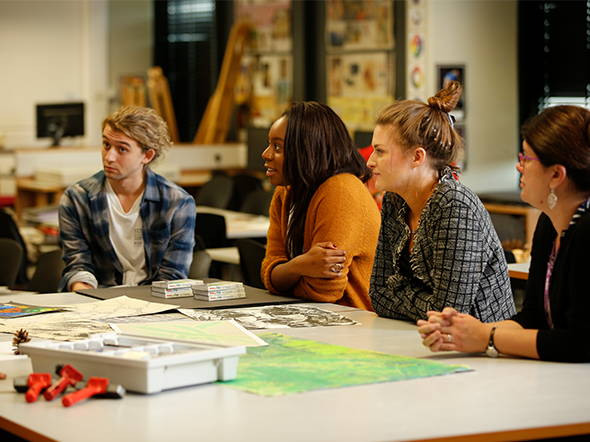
x: 142, y: 365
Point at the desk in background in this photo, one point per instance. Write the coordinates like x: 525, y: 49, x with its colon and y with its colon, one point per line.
x: 228, y: 255
x: 194, y: 162
x: 509, y: 203
x: 240, y: 224
x: 32, y: 193
x: 502, y: 399
x: 519, y: 270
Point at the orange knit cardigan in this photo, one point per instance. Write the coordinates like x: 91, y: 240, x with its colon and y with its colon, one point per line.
x: 341, y: 211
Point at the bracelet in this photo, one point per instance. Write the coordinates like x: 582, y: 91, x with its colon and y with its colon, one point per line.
x: 492, y: 351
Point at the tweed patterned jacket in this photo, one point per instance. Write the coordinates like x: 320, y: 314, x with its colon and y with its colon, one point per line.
x: 168, y: 215
x: 457, y: 259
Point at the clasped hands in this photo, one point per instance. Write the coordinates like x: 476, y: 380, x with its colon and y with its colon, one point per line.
x: 323, y: 260
x: 450, y: 330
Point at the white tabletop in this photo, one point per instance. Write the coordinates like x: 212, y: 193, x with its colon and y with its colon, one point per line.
x: 512, y: 398
x: 229, y: 255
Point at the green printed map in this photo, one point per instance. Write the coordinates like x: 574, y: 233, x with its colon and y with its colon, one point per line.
x: 291, y: 365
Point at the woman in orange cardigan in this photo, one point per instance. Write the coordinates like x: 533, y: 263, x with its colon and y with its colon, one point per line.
x: 324, y: 223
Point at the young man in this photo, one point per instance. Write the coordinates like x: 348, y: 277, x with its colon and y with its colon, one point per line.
x: 126, y: 225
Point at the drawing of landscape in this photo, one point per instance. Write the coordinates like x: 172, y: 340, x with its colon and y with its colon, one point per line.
x: 272, y: 316
x: 291, y: 365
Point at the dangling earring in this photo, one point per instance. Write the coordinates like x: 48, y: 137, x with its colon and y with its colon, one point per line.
x: 552, y: 199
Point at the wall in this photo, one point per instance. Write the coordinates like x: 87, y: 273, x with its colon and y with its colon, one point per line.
x: 76, y: 50
x: 51, y: 51
x: 130, y: 42
x: 482, y: 35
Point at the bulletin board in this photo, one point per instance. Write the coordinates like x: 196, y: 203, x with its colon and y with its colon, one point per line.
x: 360, y: 70
x: 265, y: 86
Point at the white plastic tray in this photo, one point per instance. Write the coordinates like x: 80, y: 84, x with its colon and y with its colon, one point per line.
x: 138, y: 364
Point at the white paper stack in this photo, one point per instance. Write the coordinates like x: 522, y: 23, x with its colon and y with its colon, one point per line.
x: 219, y: 291
x: 179, y: 288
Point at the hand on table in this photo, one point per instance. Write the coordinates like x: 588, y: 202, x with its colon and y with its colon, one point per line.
x: 80, y: 286
x: 450, y: 330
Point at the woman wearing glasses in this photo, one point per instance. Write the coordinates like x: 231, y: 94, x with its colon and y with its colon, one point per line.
x: 437, y: 246
x: 555, y: 178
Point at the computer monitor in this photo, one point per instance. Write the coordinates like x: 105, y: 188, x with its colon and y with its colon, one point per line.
x: 60, y: 120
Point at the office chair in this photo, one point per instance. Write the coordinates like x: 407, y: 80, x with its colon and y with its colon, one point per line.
x: 216, y: 193
x: 244, y: 185
x: 9, y: 229
x: 199, y: 243
x: 258, y: 202
x: 48, y: 273
x: 11, y: 254
x: 212, y: 230
x: 251, y: 255
x: 200, y: 266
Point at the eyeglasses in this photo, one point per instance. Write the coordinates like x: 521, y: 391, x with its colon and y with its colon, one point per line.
x: 522, y: 158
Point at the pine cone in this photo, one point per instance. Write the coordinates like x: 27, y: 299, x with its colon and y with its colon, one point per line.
x: 19, y: 337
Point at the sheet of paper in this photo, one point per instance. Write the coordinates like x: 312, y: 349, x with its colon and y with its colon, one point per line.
x: 272, y: 316
x: 214, y: 332
x: 79, y: 322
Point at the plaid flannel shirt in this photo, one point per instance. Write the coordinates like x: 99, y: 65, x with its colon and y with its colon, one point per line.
x: 168, y: 215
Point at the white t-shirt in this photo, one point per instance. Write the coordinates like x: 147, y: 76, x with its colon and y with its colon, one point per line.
x: 127, y: 237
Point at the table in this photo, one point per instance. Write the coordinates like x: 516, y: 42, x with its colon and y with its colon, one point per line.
x: 240, y: 224
x: 519, y: 270
x: 228, y: 255
x: 502, y: 399
x: 32, y: 193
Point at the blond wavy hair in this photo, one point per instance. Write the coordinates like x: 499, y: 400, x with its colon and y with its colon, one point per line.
x: 144, y: 126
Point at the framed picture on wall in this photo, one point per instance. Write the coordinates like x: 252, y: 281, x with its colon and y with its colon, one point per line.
x: 448, y: 73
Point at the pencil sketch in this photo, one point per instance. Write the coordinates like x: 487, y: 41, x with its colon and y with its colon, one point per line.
x: 81, y: 321
x: 272, y: 316
x: 70, y: 330
x: 118, y: 307
x: 160, y: 317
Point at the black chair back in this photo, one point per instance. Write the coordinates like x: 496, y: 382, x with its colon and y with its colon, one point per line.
x: 48, y: 274
x: 216, y: 193
x: 9, y: 229
x: 258, y: 202
x: 212, y: 230
x: 11, y: 254
x: 244, y: 185
x: 251, y: 255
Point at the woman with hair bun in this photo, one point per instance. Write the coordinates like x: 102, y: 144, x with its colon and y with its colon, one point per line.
x: 552, y: 325
x: 437, y: 246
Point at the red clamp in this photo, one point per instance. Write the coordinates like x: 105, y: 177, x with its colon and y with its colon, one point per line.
x: 94, y: 386
x: 69, y: 376
x: 36, y: 383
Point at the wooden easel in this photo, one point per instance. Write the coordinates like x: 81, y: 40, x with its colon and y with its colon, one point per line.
x: 161, y: 100
x: 215, y: 122
x: 133, y: 91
